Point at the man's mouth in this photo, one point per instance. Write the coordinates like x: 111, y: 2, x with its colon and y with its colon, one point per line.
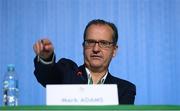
x: 96, y: 56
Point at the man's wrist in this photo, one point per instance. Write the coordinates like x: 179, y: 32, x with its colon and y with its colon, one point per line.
x: 47, y: 61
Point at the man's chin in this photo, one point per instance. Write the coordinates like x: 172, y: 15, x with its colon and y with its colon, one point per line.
x: 97, y: 66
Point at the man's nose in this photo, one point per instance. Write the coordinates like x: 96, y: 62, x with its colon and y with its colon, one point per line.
x: 96, y: 47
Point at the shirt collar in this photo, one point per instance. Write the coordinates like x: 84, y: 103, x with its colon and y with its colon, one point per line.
x: 89, y: 76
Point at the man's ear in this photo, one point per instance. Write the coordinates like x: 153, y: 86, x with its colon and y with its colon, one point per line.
x: 115, y: 50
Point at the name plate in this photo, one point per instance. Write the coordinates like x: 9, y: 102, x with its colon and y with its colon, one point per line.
x: 106, y: 94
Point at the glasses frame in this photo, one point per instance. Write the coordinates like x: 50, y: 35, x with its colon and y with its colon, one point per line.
x: 101, y: 43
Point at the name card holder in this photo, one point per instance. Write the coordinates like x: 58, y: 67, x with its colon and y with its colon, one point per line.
x: 106, y: 94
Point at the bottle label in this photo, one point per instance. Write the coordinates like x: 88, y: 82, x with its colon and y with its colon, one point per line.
x: 10, y: 93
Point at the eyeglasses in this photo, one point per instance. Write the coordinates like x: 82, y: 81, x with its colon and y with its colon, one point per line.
x: 101, y: 43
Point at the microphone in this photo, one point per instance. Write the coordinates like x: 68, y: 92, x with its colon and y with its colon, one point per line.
x: 80, y: 74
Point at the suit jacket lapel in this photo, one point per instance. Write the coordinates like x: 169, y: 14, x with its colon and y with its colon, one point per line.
x: 109, y: 79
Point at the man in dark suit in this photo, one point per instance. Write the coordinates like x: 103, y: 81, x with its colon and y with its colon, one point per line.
x: 99, y: 47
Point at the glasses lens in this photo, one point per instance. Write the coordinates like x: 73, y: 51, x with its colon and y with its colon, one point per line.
x: 90, y: 43
x: 104, y: 44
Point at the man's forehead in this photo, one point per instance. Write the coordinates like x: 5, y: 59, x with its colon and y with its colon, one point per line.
x: 103, y: 28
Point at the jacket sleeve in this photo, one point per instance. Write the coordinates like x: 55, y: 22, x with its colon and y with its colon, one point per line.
x: 54, y: 73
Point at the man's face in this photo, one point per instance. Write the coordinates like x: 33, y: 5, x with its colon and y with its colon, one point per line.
x: 96, y: 57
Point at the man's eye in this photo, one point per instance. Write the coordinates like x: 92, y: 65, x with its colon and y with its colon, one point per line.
x: 104, y: 43
x: 92, y: 41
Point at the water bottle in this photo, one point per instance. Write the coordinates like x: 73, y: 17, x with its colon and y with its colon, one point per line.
x: 10, y: 87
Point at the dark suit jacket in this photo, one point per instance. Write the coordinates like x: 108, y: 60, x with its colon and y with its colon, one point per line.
x: 66, y: 71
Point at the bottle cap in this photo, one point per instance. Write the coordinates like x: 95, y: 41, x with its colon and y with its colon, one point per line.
x: 10, y: 67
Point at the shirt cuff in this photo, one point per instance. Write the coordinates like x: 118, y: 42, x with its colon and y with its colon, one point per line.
x: 39, y: 59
